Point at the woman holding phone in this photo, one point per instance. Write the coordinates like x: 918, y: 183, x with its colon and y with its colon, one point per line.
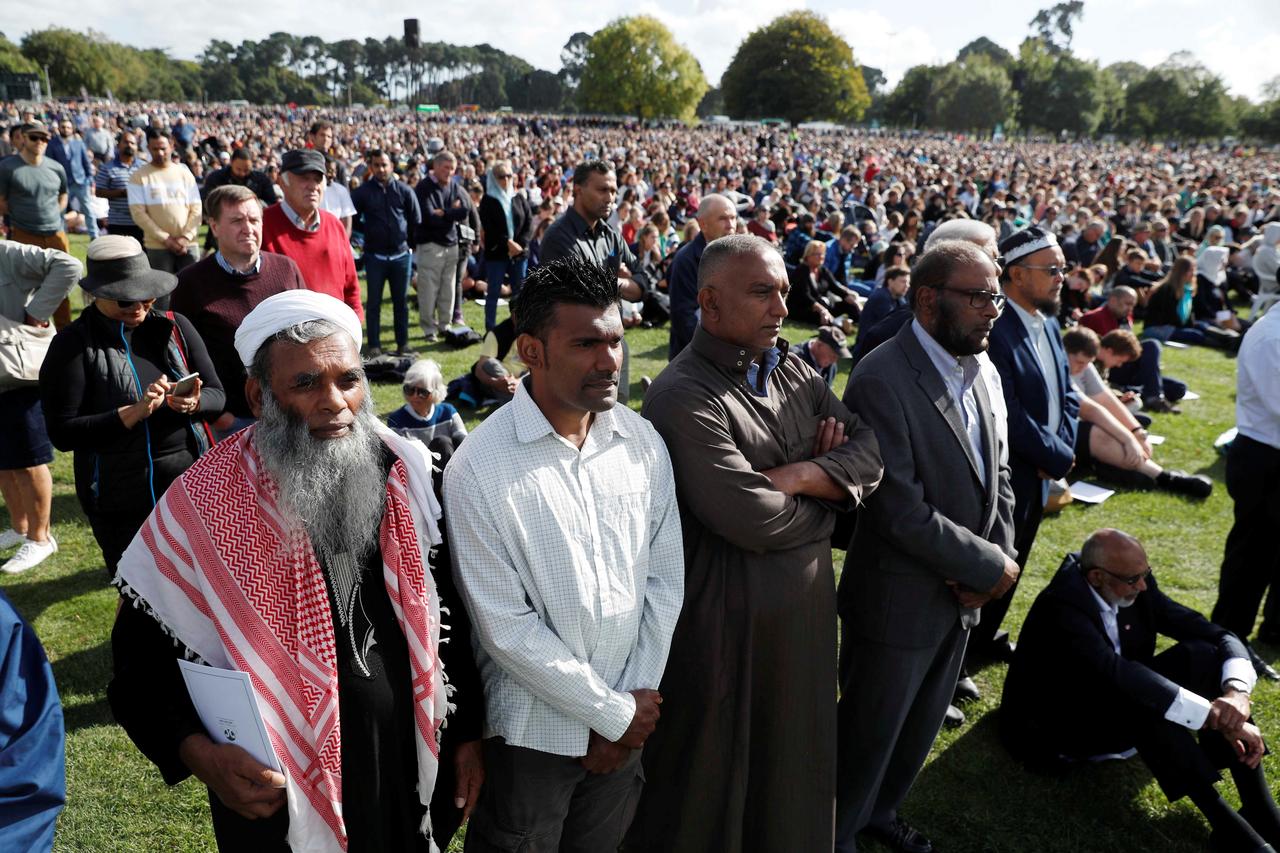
x: 107, y: 386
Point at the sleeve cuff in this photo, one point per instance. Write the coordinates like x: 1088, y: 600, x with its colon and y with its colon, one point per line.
x: 614, y: 717
x: 1188, y: 710
x: 1239, y: 669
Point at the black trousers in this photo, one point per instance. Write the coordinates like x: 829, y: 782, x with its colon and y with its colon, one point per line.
x: 1251, y: 558
x: 982, y: 635
x: 1179, y: 759
x: 235, y: 834
x: 536, y: 802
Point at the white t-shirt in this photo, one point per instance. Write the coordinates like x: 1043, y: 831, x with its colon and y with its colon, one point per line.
x: 338, y: 201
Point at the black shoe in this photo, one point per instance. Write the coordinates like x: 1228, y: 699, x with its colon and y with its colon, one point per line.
x: 402, y: 352
x: 966, y: 691
x: 901, y: 837
x: 1160, y: 405
x: 954, y: 718
x: 1000, y: 649
x: 1182, y: 483
x: 1261, y: 667
x: 373, y: 352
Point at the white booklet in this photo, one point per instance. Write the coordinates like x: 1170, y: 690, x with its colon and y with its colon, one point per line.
x: 1089, y: 493
x: 225, y: 702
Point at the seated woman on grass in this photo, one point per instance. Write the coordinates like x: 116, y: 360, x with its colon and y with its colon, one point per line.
x: 425, y: 415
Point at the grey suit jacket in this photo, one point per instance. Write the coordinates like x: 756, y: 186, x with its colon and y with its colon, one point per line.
x: 931, y: 520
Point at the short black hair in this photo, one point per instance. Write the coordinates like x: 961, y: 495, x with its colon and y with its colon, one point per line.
x: 374, y: 153
x: 317, y: 126
x: 158, y: 133
x: 242, y: 154
x: 936, y: 266
x: 565, y: 281
x: 583, y: 172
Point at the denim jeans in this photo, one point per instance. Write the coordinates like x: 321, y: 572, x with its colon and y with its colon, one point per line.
x: 494, y: 272
x: 395, y: 272
x: 80, y: 194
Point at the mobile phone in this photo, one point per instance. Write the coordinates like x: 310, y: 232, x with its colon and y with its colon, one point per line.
x: 184, y: 386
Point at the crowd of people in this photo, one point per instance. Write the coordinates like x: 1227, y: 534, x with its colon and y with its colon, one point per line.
x: 640, y: 609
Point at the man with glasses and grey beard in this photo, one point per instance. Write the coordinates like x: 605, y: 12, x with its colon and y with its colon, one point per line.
x: 302, y: 550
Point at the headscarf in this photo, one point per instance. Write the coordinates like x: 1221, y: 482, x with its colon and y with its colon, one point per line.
x: 494, y: 190
x: 1212, y: 264
x: 277, y: 313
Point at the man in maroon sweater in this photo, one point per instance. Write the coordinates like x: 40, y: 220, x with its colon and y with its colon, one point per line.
x: 314, y: 238
x: 216, y: 293
x: 1159, y: 392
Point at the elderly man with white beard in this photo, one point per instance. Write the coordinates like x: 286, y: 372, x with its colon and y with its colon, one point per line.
x: 301, y: 550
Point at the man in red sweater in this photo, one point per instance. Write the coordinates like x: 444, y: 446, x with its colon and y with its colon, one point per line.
x: 217, y: 293
x: 313, y: 238
x: 1159, y: 392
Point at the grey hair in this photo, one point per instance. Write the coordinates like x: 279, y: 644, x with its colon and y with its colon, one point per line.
x: 426, y: 372
x: 970, y: 230
x: 299, y: 333
x: 442, y: 156
x: 729, y: 248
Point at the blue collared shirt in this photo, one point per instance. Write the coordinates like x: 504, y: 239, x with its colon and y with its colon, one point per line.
x: 958, y: 374
x: 759, y: 384
x: 292, y: 216
x: 230, y: 270
x: 391, y: 214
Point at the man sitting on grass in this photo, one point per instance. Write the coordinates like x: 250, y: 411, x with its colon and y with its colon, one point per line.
x: 1086, y: 684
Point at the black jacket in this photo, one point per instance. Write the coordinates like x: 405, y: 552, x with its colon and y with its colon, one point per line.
x: 1065, y: 661
x: 440, y: 228
x: 1162, y: 308
x: 89, y: 373
x: 494, y: 224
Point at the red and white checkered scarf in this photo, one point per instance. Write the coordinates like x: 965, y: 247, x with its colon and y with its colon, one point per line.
x: 216, y: 566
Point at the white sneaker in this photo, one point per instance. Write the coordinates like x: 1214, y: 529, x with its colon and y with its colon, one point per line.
x: 11, y: 539
x: 30, y: 555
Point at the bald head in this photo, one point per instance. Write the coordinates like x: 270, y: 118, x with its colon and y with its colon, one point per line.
x: 719, y: 259
x: 717, y: 217
x: 1115, y: 565
x: 972, y: 231
x: 1107, y: 546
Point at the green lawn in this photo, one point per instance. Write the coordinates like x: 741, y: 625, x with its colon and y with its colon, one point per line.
x: 970, y: 797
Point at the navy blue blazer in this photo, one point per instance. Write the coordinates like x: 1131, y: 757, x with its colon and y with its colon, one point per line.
x: 1033, y: 447
x: 682, y: 286
x: 1063, y: 648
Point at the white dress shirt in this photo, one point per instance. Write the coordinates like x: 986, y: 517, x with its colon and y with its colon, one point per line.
x: 1188, y: 709
x: 958, y: 374
x: 1258, y: 381
x: 572, y: 567
x: 1035, y: 323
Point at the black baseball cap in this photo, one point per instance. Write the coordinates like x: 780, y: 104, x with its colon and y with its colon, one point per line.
x: 302, y: 160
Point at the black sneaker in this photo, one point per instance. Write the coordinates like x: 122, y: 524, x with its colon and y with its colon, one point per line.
x: 1160, y: 405
x: 902, y: 837
x: 1182, y: 483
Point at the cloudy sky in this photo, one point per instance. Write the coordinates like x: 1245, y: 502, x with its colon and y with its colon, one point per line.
x: 1239, y: 40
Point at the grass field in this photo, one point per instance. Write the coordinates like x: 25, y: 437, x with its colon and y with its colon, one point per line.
x: 970, y: 798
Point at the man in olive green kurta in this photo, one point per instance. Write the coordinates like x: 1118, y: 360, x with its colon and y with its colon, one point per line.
x: 764, y: 455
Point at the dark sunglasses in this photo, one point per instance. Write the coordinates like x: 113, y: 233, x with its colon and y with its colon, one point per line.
x: 415, y: 391
x: 1127, y: 580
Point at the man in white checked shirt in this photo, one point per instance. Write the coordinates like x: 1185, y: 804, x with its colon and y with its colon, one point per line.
x: 566, y: 540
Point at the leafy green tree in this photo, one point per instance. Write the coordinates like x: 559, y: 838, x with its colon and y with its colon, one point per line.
x: 537, y: 91
x: 1179, y: 98
x: 1060, y: 92
x: 795, y: 67
x: 712, y: 103
x: 1056, y: 25
x: 74, y: 59
x: 873, y: 79
x: 910, y: 104
x: 1127, y: 73
x: 635, y: 66
x: 573, y: 59
x: 983, y: 46
x: 972, y: 95
x: 12, y: 60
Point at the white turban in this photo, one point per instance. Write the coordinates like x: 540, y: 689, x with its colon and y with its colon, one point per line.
x: 290, y: 308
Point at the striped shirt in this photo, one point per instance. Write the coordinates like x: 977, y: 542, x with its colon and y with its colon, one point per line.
x: 164, y: 203
x: 114, y: 175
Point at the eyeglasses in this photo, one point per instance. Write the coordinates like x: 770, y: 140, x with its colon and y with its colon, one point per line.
x: 1127, y: 580
x: 1054, y: 271
x: 415, y: 391
x: 502, y: 176
x: 979, y: 297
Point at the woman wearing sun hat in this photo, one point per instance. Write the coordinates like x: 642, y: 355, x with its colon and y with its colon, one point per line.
x: 107, y: 390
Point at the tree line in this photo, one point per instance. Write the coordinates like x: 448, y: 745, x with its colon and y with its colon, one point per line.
x: 794, y: 68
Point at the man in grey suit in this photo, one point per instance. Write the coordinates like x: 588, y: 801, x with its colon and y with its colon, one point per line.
x: 932, y: 545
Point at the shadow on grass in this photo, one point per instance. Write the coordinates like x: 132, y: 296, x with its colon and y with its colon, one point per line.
x: 82, y: 683
x: 33, y: 597
x: 974, y: 798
